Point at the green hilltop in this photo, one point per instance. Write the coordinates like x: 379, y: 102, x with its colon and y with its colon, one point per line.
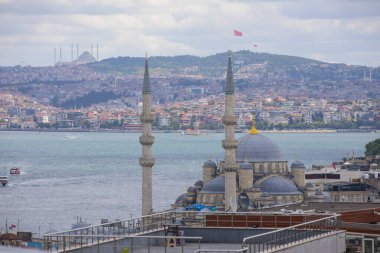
x: 209, y: 65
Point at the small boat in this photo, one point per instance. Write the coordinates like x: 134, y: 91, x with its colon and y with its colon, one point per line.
x: 3, y: 180
x: 15, y: 171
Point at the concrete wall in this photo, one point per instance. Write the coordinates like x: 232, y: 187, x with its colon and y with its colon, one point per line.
x: 330, y: 244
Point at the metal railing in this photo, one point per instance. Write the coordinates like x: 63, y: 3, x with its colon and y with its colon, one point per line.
x: 131, y: 245
x: 219, y: 250
x: 102, y: 233
x: 281, y: 238
x: 91, y: 235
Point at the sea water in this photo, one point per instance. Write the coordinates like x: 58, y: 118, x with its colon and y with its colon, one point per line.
x: 97, y: 175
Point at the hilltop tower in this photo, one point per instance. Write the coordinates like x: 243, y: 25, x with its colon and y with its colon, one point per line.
x: 146, y: 140
x: 229, y: 144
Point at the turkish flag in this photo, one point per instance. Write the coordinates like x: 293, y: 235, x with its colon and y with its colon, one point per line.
x: 237, y: 33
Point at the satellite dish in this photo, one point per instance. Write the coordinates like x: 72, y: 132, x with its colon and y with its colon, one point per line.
x: 243, y: 201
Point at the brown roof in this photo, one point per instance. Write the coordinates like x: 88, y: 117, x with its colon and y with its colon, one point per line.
x: 9, y: 237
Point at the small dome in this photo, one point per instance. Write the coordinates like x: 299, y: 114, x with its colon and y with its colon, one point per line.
x: 297, y: 165
x: 198, y: 185
x: 210, y: 164
x: 191, y: 190
x: 309, y: 185
x: 279, y: 185
x: 257, y: 148
x: 80, y: 224
x: 180, y: 199
x: 245, y: 165
x: 215, y: 185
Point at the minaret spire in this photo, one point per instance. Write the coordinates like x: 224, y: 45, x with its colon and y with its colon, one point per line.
x: 229, y: 144
x: 146, y: 140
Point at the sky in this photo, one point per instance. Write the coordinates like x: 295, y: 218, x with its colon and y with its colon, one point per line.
x: 338, y: 31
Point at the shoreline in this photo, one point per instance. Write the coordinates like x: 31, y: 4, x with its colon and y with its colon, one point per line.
x: 179, y: 131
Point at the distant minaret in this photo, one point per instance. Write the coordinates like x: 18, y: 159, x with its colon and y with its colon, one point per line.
x: 229, y: 144
x: 72, y: 52
x: 60, y: 56
x: 97, y: 52
x: 146, y: 140
x: 91, y: 51
x: 55, y: 56
x: 77, y: 51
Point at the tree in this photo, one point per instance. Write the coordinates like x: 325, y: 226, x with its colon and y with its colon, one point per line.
x: 372, y: 148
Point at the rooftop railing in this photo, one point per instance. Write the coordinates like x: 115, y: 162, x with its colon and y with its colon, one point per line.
x: 103, y: 233
x: 282, y: 238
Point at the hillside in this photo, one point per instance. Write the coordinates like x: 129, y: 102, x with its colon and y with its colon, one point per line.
x: 213, y: 66
x: 208, y: 63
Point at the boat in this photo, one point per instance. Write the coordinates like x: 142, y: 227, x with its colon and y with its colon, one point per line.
x: 15, y: 171
x: 3, y: 180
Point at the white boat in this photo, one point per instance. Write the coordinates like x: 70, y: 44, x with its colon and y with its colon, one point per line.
x: 3, y: 180
x: 15, y: 171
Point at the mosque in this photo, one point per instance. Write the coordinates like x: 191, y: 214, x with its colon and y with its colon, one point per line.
x: 253, y: 165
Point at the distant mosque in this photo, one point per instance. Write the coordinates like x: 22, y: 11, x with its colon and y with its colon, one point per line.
x: 253, y: 166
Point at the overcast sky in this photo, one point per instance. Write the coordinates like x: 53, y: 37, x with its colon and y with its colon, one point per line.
x: 346, y: 31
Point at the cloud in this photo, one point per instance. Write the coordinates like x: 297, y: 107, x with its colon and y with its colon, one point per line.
x: 168, y: 27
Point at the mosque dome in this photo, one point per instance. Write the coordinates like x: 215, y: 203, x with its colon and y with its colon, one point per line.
x: 210, y: 164
x: 297, y: 165
x: 257, y: 148
x: 309, y: 185
x: 245, y: 166
x: 191, y: 189
x: 80, y: 224
x: 279, y: 185
x: 198, y: 185
x: 215, y: 185
x: 181, y: 199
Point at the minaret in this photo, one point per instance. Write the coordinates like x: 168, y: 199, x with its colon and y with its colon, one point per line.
x: 146, y: 140
x: 229, y: 144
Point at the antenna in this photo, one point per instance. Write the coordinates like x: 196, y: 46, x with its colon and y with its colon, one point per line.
x: 97, y: 52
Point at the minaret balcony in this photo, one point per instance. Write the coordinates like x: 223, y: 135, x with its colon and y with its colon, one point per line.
x: 146, y: 140
x: 146, y: 118
x: 229, y: 120
x: 146, y: 162
x: 229, y: 144
x: 230, y: 167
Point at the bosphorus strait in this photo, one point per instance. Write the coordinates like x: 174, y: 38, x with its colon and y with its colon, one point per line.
x: 97, y: 175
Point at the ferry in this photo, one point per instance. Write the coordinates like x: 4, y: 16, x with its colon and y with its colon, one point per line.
x: 3, y: 180
x: 15, y: 171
